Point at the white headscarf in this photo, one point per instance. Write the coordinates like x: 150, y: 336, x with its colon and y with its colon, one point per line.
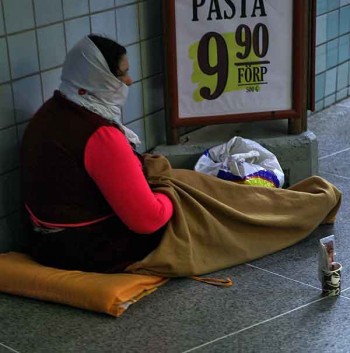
x: 87, y: 80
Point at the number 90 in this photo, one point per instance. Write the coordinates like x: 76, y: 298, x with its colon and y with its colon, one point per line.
x: 259, y: 40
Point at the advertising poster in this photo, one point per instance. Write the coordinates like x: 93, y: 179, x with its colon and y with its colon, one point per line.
x: 233, y: 56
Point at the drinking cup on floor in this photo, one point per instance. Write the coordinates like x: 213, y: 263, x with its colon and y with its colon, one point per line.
x: 331, y: 280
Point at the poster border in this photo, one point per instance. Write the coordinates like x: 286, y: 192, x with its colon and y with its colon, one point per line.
x: 299, y: 74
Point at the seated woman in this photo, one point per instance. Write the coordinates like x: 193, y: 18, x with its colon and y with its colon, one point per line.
x: 83, y: 185
x: 96, y: 205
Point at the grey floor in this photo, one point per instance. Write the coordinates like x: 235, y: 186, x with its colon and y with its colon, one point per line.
x: 275, y: 304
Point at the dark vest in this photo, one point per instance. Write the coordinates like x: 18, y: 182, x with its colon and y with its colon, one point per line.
x: 57, y: 189
x: 55, y: 183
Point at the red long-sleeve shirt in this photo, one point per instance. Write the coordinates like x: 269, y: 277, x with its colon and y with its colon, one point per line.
x: 111, y: 163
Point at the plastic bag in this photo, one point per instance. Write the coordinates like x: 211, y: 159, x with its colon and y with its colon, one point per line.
x: 242, y: 160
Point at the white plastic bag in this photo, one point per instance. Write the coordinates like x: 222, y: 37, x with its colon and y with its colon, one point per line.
x: 242, y: 160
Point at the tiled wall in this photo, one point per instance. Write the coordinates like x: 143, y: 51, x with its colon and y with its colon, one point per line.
x: 332, y: 52
x: 34, y: 38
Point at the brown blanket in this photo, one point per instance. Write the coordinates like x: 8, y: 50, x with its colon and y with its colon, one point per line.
x: 218, y: 224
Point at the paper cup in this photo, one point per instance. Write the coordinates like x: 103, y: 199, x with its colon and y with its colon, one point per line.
x: 331, y: 280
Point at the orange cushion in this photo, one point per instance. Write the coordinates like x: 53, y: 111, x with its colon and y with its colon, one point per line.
x: 106, y: 293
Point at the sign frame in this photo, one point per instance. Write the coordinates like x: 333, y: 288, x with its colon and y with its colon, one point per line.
x: 296, y: 116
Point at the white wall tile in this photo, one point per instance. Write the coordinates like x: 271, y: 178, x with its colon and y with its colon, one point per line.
x: 51, y: 44
x: 76, y: 29
x: 329, y: 100
x: 7, y: 116
x: 9, y: 156
x: 320, y: 58
x: 18, y: 15
x: 127, y: 25
x: 134, y: 56
x: 331, y: 80
x: 342, y: 94
x: 133, y: 108
x: 153, y: 94
x: 342, y: 79
x: 73, y: 8
x: 104, y: 23
x: 155, y: 129
x: 2, y: 29
x: 4, y: 63
x: 9, y: 192
x: 51, y: 80
x: 152, y: 56
x: 319, y: 105
x: 20, y: 130
x: 47, y: 11
x: 23, y: 54
x: 344, y: 20
x: 321, y: 29
x: 138, y: 127
x: 98, y: 5
x: 27, y: 96
x: 124, y: 2
x: 320, y: 80
x: 150, y: 19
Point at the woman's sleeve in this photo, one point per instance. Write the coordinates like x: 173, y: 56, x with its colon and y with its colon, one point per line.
x: 111, y: 163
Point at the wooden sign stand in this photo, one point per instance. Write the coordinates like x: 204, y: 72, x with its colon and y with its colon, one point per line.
x: 302, y: 67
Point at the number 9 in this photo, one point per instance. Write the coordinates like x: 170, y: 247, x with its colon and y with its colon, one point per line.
x: 244, y: 39
x: 221, y: 67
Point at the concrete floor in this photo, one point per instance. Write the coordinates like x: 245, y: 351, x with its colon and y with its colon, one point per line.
x: 275, y: 304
